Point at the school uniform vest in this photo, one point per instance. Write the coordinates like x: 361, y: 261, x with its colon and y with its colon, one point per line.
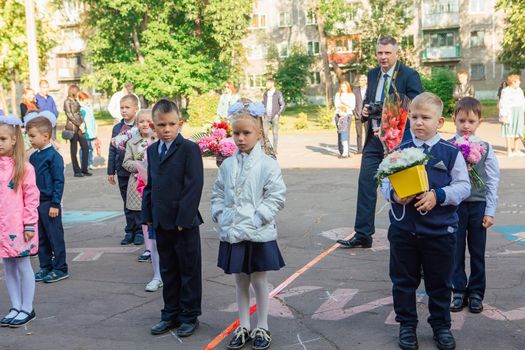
x: 442, y: 219
x: 479, y: 194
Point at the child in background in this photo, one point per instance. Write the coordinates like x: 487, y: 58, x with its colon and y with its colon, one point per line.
x: 91, y: 125
x: 425, y: 236
x: 249, y: 191
x: 476, y: 215
x: 122, y: 132
x: 18, y: 219
x: 49, y: 168
x: 135, y: 155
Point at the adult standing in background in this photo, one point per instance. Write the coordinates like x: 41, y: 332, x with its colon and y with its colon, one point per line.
x: 227, y: 99
x: 28, y: 103
x: 511, y: 111
x: 274, y: 103
x: 381, y: 80
x: 344, y: 103
x: 464, y: 88
x: 76, y: 124
x: 360, y: 93
x: 114, y: 102
x: 45, y: 102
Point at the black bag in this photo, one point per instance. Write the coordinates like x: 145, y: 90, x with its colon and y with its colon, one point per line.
x: 67, y: 134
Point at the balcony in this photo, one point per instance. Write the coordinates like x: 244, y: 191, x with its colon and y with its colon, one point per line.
x: 343, y: 50
x: 439, y: 14
x: 441, y: 54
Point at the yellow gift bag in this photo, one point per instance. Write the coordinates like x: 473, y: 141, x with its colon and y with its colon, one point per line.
x: 410, y: 181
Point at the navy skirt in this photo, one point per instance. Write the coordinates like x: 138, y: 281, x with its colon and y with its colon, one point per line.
x: 249, y: 257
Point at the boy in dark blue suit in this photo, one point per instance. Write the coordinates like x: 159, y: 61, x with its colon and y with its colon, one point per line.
x: 425, y: 235
x: 49, y: 170
x: 170, y: 203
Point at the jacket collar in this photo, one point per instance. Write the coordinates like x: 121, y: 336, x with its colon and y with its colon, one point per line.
x: 174, y: 146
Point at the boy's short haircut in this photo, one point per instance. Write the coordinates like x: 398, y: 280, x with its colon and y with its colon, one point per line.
x: 463, y: 72
x: 468, y: 104
x: 428, y: 98
x: 164, y: 106
x: 131, y: 97
x: 43, y: 81
x: 42, y: 124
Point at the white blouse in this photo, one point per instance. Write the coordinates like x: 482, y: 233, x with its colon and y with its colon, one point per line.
x: 346, y: 101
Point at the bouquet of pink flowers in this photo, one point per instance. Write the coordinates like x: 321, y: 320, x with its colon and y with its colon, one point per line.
x: 393, y: 121
x: 216, y: 141
x: 472, y: 149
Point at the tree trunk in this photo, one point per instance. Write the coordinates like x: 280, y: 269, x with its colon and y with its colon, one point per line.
x: 14, y: 107
x: 3, y: 102
x: 136, y: 45
x: 326, y: 65
x: 339, y: 72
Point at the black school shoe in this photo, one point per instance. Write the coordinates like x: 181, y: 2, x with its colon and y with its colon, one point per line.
x: 240, y: 339
x: 475, y: 303
x: 19, y: 323
x: 4, y: 322
x: 128, y: 239
x: 356, y: 242
x: 459, y: 301
x: 163, y: 327
x: 138, y: 239
x: 407, y: 338
x: 187, y: 329
x: 261, y: 339
x: 444, y: 339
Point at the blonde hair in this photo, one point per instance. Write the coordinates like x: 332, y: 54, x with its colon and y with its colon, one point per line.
x: 18, y: 154
x: 144, y: 111
x: 428, y: 99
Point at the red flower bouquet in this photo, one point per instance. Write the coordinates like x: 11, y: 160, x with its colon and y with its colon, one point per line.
x: 216, y: 141
x: 393, y: 121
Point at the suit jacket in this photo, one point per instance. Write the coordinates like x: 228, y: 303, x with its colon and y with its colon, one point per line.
x: 407, y: 83
x: 277, y: 103
x: 172, y: 195
x: 358, y: 110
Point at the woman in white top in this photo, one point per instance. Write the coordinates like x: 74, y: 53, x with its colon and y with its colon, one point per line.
x: 344, y: 108
x: 227, y: 99
x: 511, y: 111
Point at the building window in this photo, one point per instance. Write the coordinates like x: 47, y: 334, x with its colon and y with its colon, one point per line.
x: 315, y: 78
x: 310, y: 18
x: 477, y: 71
x: 285, y: 19
x: 258, y: 21
x: 283, y: 50
x: 255, y: 81
x: 442, y: 39
x: 407, y: 42
x: 344, y: 45
x: 256, y: 52
x: 476, y: 6
x: 313, y: 48
x: 477, y: 38
x: 441, y: 7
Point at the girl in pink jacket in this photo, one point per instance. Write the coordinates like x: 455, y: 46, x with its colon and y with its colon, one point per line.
x: 19, y: 200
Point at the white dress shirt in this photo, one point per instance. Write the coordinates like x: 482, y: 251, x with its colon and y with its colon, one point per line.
x: 381, y: 83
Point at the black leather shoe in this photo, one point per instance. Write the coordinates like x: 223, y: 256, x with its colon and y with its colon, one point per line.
x: 128, y: 239
x: 79, y: 175
x: 475, y: 303
x: 4, y: 322
x: 187, y: 329
x: 19, y: 323
x: 240, y: 338
x: 87, y: 173
x: 163, y: 327
x: 356, y: 242
x: 407, y: 338
x: 261, y: 339
x: 459, y: 301
x: 444, y: 339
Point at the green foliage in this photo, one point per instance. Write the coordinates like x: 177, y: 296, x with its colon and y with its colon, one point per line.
x: 165, y: 48
x: 301, y: 122
x: 513, y: 45
x: 326, y: 117
x: 441, y: 82
x: 385, y: 17
x: 202, y: 109
x: 13, y: 41
x: 292, y: 75
x: 334, y: 12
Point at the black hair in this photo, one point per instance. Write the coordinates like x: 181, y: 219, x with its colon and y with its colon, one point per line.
x: 164, y: 106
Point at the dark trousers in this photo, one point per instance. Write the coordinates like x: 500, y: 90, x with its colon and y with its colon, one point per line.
x: 472, y: 233
x: 180, y: 269
x: 367, y: 189
x: 408, y: 253
x: 79, y: 139
x: 51, y: 245
x: 133, y: 217
x: 359, y: 131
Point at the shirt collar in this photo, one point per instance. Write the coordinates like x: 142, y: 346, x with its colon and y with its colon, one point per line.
x: 271, y: 91
x: 390, y: 71
x: 430, y: 142
x: 45, y: 147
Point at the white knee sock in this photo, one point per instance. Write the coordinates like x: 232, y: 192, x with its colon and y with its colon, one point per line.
x: 345, y: 148
x: 12, y: 282
x: 242, y: 283
x: 147, y: 241
x: 27, y: 281
x: 155, y: 260
x: 260, y: 286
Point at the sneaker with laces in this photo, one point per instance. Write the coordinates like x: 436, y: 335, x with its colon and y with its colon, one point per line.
x: 261, y: 339
x: 55, y: 276
x: 154, y: 285
x: 39, y: 276
x: 144, y: 257
x: 240, y: 339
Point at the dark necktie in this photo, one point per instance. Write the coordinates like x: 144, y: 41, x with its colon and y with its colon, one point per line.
x: 163, y: 151
x: 426, y: 148
x: 385, y: 87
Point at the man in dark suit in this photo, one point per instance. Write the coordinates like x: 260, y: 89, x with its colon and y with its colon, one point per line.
x: 408, y: 83
x: 360, y: 93
x: 171, y: 204
x: 274, y: 103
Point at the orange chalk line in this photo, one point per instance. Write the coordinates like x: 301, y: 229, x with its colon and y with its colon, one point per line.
x: 218, y: 339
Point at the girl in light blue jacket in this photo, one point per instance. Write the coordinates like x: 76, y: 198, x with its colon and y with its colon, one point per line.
x: 248, y: 193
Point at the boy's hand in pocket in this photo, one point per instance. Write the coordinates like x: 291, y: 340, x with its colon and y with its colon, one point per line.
x: 53, y: 212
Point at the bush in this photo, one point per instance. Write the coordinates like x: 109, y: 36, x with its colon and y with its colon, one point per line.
x: 326, y: 117
x: 441, y: 82
x: 202, y: 109
x: 292, y: 75
x: 301, y: 122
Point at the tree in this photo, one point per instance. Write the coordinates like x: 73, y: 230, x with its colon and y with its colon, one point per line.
x: 441, y: 82
x: 166, y: 48
x: 384, y: 17
x: 292, y: 75
x: 513, y: 45
x: 14, y: 66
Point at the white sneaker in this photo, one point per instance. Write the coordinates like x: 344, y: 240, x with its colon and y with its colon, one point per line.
x: 519, y: 154
x: 154, y: 285
x: 511, y: 154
